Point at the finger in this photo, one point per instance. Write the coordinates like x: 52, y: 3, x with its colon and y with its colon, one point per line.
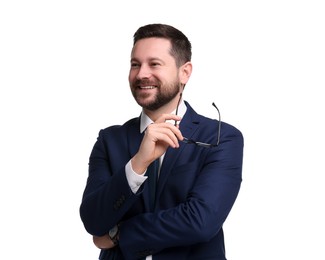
x: 164, y: 132
x: 166, y: 128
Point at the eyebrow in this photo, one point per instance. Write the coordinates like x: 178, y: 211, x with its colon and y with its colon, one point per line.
x: 150, y: 59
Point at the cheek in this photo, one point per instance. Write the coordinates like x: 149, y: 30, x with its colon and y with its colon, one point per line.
x: 131, y: 76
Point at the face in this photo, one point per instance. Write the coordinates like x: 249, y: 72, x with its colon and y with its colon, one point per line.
x: 154, y: 77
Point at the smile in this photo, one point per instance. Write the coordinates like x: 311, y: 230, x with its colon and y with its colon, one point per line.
x: 147, y: 87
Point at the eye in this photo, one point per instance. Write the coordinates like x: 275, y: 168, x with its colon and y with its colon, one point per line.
x: 154, y: 64
x: 135, y: 65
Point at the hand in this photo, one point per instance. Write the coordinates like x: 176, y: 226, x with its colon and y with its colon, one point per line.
x: 158, y: 137
x: 103, y: 242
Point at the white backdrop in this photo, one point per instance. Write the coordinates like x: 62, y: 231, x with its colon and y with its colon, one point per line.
x: 63, y: 76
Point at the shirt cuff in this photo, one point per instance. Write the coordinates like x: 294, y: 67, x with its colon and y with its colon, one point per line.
x: 135, y: 180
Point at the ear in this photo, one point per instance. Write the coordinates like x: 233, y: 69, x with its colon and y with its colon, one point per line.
x: 185, y: 72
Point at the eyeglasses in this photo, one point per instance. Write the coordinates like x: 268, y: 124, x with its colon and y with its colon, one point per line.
x: 191, y: 141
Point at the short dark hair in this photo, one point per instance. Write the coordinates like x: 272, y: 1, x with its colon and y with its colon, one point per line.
x: 181, y: 48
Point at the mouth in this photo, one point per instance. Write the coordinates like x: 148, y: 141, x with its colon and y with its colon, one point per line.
x: 146, y: 87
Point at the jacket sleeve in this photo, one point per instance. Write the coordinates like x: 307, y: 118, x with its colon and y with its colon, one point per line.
x: 200, y: 217
x: 107, y: 196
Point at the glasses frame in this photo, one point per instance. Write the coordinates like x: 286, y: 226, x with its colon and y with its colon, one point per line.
x: 201, y: 144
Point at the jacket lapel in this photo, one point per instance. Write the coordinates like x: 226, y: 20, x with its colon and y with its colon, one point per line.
x: 134, y: 140
x: 134, y: 136
x: 188, y: 127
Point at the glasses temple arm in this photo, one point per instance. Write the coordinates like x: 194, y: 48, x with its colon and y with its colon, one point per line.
x: 219, y: 127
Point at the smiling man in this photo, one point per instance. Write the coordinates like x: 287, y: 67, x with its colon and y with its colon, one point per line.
x: 161, y: 185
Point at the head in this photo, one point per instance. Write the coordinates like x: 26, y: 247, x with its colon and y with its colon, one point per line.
x: 160, y: 66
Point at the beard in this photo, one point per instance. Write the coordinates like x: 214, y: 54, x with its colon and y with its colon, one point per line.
x: 170, y: 91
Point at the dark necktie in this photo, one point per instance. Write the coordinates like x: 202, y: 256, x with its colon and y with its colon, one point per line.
x: 152, y: 173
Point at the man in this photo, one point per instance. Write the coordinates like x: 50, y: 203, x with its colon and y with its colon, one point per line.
x: 180, y: 215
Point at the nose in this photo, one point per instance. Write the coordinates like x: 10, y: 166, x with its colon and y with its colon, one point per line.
x: 143, y: 72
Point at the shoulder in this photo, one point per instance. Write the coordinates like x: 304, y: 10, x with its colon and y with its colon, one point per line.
x: 121, y: 129
x: 130, y: 123
x: 209, y: 124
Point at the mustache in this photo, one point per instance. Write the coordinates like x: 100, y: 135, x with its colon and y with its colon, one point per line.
x: 145, y: 82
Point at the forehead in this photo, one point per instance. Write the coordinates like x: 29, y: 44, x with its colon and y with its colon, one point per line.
x: 151, y: 48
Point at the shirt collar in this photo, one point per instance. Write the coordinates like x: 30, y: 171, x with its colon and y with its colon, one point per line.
x: 145, y: 120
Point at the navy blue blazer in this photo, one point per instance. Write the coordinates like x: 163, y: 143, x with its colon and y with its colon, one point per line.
x: 196, y: 190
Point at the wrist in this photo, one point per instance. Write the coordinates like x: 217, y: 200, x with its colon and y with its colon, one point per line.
x: 113, y: 234
x: 136, y: 167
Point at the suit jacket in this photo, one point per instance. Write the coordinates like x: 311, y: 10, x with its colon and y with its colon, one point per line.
x: 196, y: 190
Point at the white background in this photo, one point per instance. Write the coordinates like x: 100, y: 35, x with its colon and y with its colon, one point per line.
x: 63, y: 76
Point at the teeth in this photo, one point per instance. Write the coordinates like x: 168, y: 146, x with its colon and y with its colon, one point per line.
x: 148, y: 87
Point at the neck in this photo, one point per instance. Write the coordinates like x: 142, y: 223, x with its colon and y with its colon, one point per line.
x: 166, y: 109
